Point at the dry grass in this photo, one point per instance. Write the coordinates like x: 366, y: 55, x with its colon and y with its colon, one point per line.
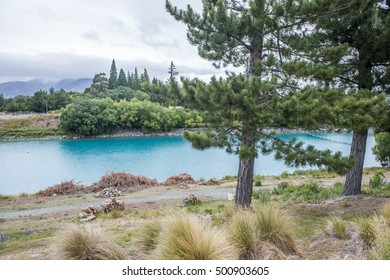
x: 186, y: 237
x: 243, y: 233
x: 148, y: 236
x: 386, y: 211
x: 274, y: 225
x: 338, y: 227
x: 78, y: 243
x: 367, y: 231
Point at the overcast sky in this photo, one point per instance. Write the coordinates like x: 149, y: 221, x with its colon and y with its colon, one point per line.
x: 58, y: 39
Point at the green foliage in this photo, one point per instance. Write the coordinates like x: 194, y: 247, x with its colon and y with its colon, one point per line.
x: 39, y: 102
x: 122, y: 80
x: 377, y: 180
x: 382, y: 148
x: 89, y: 116
x: 112, y: 80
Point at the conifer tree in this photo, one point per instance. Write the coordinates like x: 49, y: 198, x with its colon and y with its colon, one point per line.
x: 348, y: 49
x: 112, y: 80
x: 136, y: 81
x: 172, y: 72
x: 145, y: 77
x: 238, y: 110
x: 129, y: 80
x: 122, y: 81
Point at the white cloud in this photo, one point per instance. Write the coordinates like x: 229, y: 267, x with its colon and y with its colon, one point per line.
x: 74, y: 39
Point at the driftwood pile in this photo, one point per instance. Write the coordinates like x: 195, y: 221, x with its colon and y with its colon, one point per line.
x: 180, y: 180
x: 108, y: 192
x: 64, y: 188
x: 125, y: 182
x: 112, y: 204
x: 88, y: 214
x: 189, y: 200
x: 210, y: 182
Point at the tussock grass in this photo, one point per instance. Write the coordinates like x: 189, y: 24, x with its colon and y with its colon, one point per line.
x: 186, y: 237
x: 367, y: 231
x: 78, y: 243
x: 338, y: 227
x: 148, y: 236
x: 386, y: 211
x: 243, y: 233
x: 273, y: 224
x: 381, y: 250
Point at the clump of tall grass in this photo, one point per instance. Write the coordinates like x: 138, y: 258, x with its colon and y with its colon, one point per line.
x: 274, y: 225
x: 186, y: 237
x: 381, y: 250
x: 148, y: 236
x: 368, y: 231
x: 386, y: 211
x: 338, y: 227
x: 243, y: 233
x: 77, y: 243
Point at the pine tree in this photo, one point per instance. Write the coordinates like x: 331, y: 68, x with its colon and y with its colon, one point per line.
x: 348, y: 49
x: 112, y: 80
x: 122, y: 80
x: 136, y: 82
x: 238, y: 110
x: 145, y: 77
x: 100, y: 82
x: 172, y: 73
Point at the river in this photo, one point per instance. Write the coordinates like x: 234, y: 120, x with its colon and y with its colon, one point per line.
x: 29, y: 166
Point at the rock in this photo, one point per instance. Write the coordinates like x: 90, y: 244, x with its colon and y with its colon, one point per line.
x: 109, y: 192
x: 112, y: 204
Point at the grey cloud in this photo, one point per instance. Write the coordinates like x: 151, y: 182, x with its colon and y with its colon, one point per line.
x: 68, y: 65
x: 92, y: 35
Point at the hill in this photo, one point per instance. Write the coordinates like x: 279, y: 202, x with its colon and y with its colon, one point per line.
x: 12, y: 89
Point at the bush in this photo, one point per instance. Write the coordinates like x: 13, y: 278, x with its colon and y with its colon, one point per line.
x: 243, y: 233
x: 64, y: 188
x: 381, y: 149
x: 274, y: 225
x: 185, y: 237
x: 377, y: 180
x: 86, y: 244
x: 148, y: 236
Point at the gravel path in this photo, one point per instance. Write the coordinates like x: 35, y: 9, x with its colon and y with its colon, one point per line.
x: 215, y: 193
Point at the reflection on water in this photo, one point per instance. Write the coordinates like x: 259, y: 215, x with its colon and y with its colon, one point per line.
x: 29, y: 166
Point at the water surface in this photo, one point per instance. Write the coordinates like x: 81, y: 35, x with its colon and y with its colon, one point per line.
x: 29, y: 166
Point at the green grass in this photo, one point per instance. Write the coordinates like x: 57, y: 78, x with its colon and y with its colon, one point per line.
x: 367, y: 231
x: 24, y: 240
x: 338, y: 226
x: 148, y: 236
x: 30, y: 133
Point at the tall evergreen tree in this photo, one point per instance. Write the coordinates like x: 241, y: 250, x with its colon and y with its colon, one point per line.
x: 122, y: 80
x: 112, y: 80
x: 136, y: 82
x: 238, y: 110
x: 348, y: 49
x: 145, y: 77
x: 172, y: 73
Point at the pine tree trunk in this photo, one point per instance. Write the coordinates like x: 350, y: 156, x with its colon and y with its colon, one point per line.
x: 353, y: 181
x: 245, y: 182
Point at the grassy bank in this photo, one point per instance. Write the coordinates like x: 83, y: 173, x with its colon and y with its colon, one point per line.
x: 302, y: 218
x: 30, y: 127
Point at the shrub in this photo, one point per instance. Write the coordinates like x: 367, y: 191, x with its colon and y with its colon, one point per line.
x: 86, y: 244
x: 274, y: 225
x: 367, y: 231
x: 243, y: 233
x: 64, y: 188
x: 377, y: 180
x: 148, y: 236
x: 185, y: 237
x: 338, y: 227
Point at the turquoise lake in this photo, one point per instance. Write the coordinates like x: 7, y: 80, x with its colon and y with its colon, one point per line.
x: 29, y: 166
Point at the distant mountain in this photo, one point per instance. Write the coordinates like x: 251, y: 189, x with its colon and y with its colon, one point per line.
x: 11, y: 89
